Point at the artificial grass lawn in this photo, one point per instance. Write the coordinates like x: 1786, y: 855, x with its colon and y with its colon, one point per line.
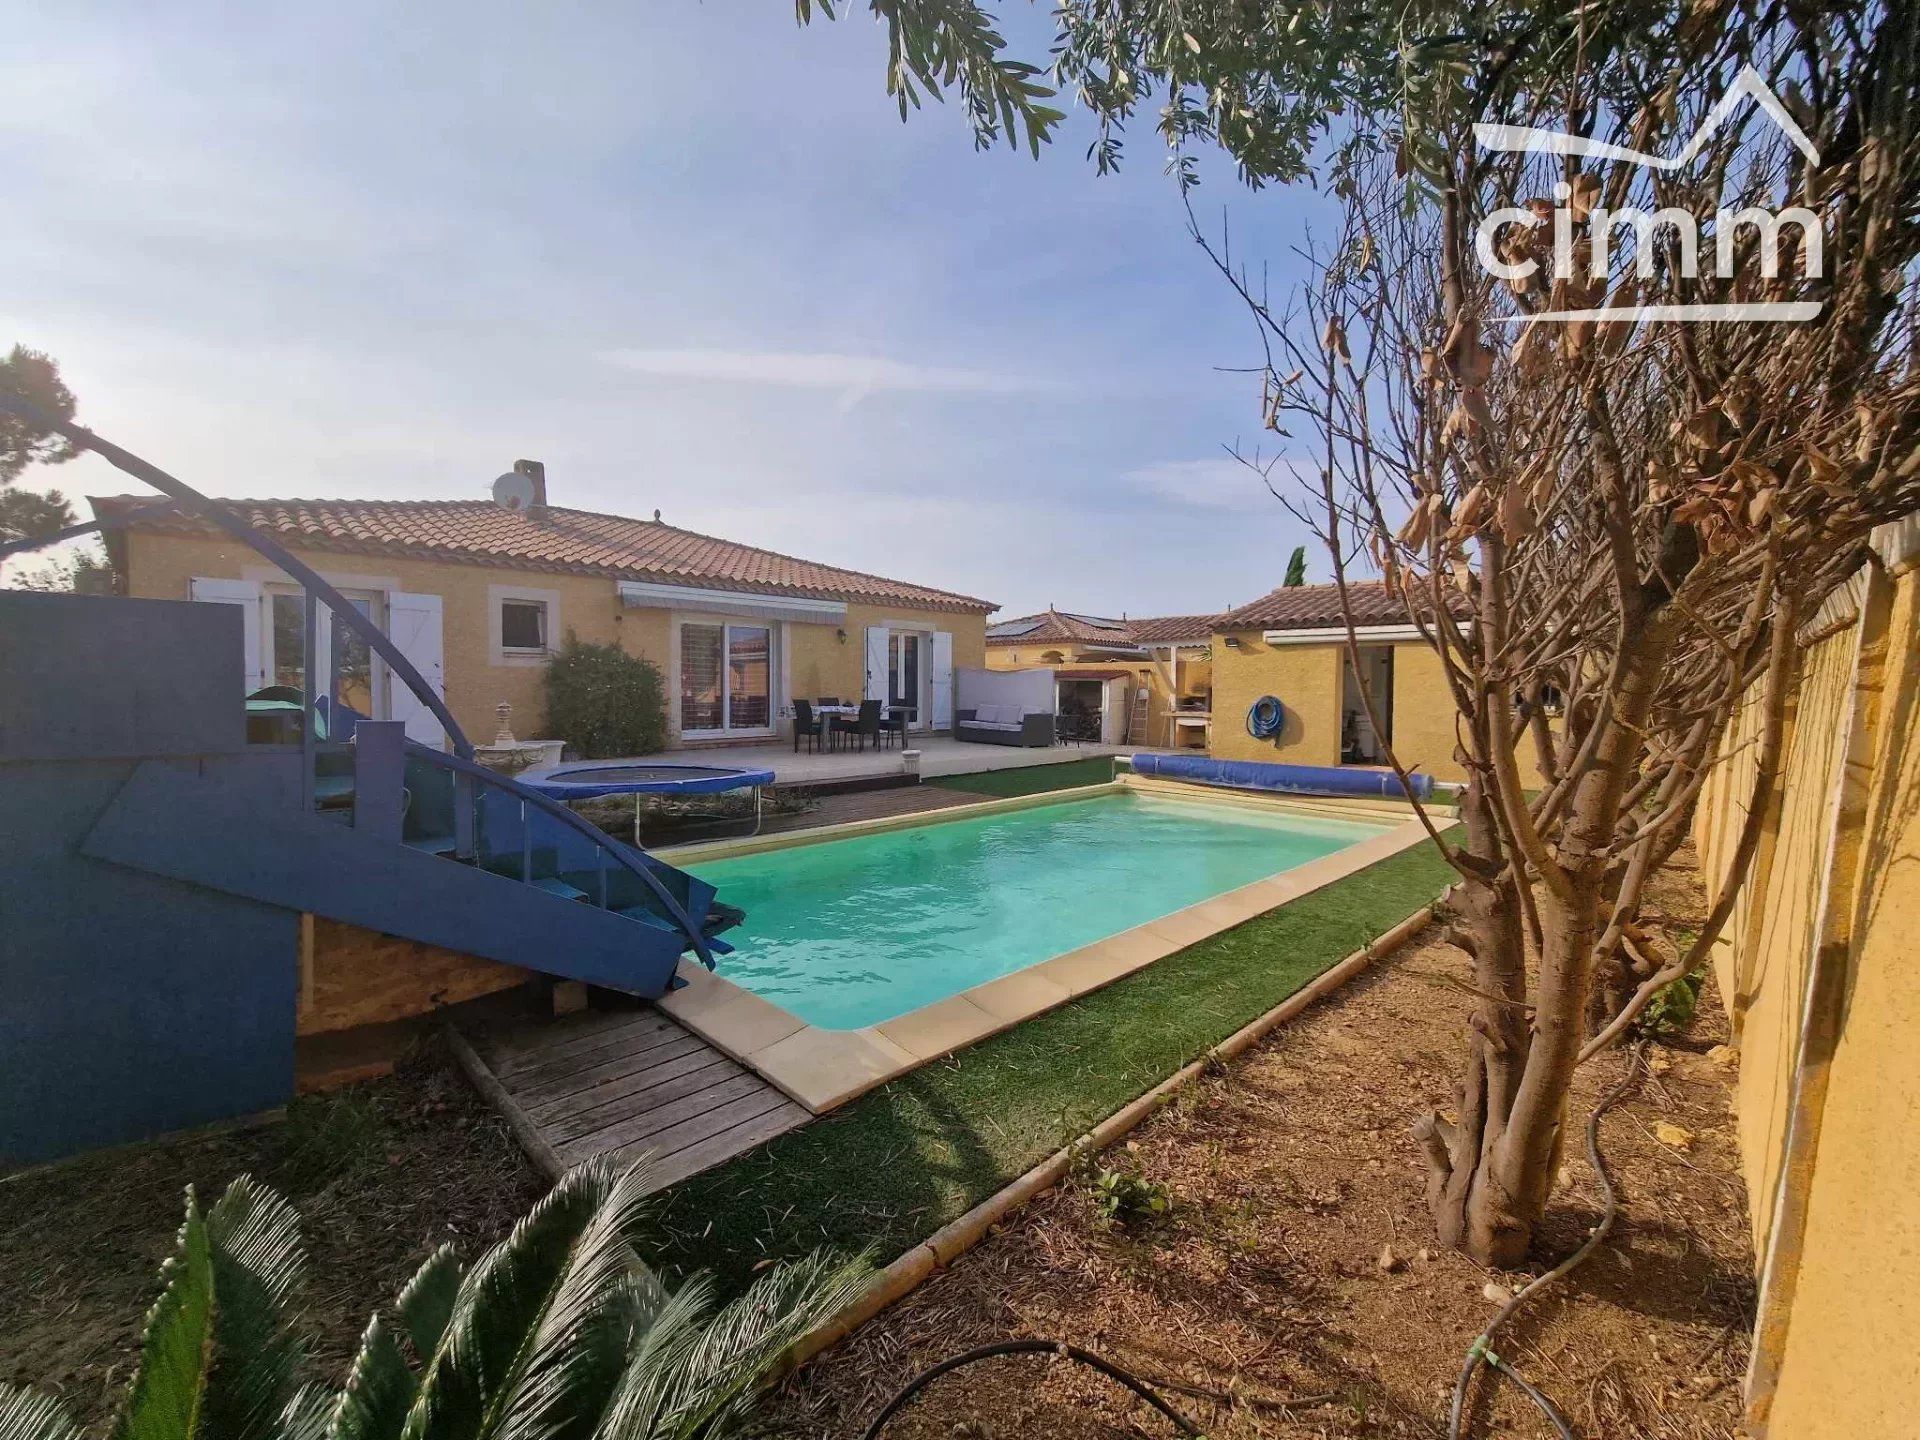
x: 1031, y: 779
x: 895, y: 1165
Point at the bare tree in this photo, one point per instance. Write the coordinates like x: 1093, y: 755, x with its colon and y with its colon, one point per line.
x: 1608, y: 529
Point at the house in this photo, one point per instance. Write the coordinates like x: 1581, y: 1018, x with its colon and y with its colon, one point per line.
x: 1141, y: 682
x: 1291, y: 644
x: 478, y: 594
x: 1200, y: 676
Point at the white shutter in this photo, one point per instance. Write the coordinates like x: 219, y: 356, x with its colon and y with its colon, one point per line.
x: 413, y: 624
x: 942, y: 680
x: 878, y: 641
x: 245, y: 594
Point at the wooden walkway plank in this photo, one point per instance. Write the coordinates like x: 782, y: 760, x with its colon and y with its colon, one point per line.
x: 624, y: 1083
x: 626, y: 1089
x: 578, y: 1048
x: 717, y: 1149
x: 706, y: 1105
x: 572, y: 1124
x: 503, y: 1047
x: 542, y: 1086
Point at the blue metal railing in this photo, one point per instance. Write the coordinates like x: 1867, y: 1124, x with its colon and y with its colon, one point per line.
x: 605, y: 847
x: 467, y: 772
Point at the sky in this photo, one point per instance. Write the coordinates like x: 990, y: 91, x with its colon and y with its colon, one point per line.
x: 685, y: 254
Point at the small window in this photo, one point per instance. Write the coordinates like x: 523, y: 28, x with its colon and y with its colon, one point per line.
x: 523, y: 625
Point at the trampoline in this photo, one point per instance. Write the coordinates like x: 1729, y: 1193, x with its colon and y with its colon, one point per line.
x: 591, y: 779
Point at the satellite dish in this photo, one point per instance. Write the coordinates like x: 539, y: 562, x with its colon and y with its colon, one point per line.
x: 513, y: 491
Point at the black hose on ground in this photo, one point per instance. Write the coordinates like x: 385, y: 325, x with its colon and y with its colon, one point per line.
x: 1027, y: 1347
x: 1479, y: 1352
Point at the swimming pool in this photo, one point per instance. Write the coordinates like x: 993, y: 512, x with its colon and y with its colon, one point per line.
x: 852, y: 932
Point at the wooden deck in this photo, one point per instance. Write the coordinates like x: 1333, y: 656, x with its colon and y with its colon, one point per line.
x: 627, y: 1083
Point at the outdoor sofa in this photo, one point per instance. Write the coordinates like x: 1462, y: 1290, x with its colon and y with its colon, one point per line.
x: 1003, y: 725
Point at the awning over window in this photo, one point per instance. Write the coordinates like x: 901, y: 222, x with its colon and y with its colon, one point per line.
x: 639, y: 595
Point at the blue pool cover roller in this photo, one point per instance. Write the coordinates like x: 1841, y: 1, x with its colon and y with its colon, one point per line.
x: 1284, y: 779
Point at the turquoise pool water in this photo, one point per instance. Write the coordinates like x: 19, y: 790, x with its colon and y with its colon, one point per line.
x: 846, y: 933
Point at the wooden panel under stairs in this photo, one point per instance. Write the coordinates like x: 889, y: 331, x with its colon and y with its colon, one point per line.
x: 624, y: 1082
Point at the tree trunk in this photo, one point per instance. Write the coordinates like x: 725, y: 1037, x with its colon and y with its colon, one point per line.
x: 1488, y: 928
x: 1492, y: 1168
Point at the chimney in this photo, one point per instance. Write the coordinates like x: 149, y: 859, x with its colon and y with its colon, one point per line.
x: 537, y: 473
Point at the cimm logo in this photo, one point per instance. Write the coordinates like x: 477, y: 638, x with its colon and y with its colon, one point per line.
x: 1592, y: 253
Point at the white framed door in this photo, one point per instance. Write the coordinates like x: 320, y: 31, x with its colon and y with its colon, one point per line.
x: 283, y: 643
x: 907, y: 676
x: 726, y: 680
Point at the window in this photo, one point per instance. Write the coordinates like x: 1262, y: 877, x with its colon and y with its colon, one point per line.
x: 726, y: 679
x: 523, y: 625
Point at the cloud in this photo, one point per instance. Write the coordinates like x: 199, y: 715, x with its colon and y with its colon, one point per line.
x: 853, y: 375
x: 1220, y: 483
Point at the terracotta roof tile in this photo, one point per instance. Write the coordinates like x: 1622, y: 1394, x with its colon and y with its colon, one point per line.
x: 1317, y: 607
x: 569, y: 541
x: 1165, y: 629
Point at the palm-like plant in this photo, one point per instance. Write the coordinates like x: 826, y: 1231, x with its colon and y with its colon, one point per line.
x: 559, y: 1332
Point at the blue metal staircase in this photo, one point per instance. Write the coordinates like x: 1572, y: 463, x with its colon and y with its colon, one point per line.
x: 382, y: 831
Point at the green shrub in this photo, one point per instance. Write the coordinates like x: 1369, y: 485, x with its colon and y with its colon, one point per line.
x: 604, y: 702
x: 1123, y: 1198
x: 1671, y: 1009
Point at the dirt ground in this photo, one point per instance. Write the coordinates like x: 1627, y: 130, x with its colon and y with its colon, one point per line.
x: 1267, y: 1303
x: 382, y: 1173
x: 1260, y: 1303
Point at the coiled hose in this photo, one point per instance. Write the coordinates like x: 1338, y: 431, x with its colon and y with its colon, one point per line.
x: 1265, y: 717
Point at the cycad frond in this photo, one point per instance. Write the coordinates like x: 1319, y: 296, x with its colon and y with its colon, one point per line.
x: 520, y: 1304
x: 702, y: 1380
x: 309, y: 1414
x: 176, y: 1349
x: 253, y: 1236
x: 581, y: 1345
x: 32, y: 1415
x: 426, y: 1304
x: 380, y: 1389
x: 666, y: 1331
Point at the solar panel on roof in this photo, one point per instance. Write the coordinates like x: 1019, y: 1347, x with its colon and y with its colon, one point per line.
x: 1012, y: 628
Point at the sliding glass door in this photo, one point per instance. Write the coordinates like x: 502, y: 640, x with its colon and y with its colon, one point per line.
x: 726, y: 680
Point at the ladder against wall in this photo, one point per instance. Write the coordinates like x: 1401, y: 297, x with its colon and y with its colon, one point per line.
x: 1137, y: 715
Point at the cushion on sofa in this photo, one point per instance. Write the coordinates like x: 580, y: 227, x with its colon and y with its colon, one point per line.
x: 987, y: 714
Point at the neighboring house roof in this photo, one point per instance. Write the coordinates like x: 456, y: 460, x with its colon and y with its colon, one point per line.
x: 1318, y: 607
x: 1053, y: 626
x: 1166, y: 629
x: 1059, y: 627
x: 579, y: 542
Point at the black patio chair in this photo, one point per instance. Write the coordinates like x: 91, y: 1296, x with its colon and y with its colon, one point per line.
x: 805, y: 722
x: 864, y: 727
x: 826, y: 700
x: 895, y: 725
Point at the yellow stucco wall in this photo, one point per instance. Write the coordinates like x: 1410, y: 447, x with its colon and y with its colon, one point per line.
x: 1848, y: 1365
x: 818, y: 661
x: 1852, y: 1364
x: 1307, y: 680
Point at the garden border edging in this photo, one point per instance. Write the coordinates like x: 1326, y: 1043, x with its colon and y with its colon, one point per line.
x: 952, y: 1240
